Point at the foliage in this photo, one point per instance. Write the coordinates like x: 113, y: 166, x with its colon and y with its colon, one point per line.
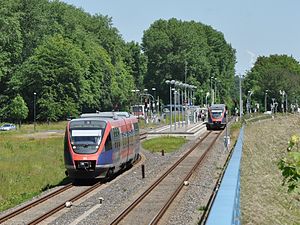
x: 290, y: 165
x: 190, y: 52
x: 72, y: 60
x: 77, y: 62
x: 17, y: 110
x: 137, y: 62
x: 273, y: 73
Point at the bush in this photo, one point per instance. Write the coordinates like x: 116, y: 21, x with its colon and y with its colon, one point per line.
x: 290, y: 165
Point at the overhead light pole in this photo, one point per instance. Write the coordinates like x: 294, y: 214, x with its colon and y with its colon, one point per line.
x: 241, y: 99
x: 34, y: 111
x: 211, y: 91
x: 266, y: 93
x: 282, y: 100
x: 154, y: 103
x: 170, y: 82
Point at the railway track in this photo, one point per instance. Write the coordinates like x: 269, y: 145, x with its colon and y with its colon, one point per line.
x: 143, y: 135
x: 33, y: 204
x: 24, y: 214
x: 152, y: 204
x: 34, y: 212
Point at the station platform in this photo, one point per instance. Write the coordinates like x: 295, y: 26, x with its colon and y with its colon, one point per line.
x: 190, y: 131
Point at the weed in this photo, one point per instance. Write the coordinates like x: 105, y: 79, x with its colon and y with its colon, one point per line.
x: 202, y: 208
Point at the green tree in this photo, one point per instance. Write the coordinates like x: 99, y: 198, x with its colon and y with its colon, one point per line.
x: 122, y: 84
x: 56, y: 73
x: 137, y: 63
x: 190, y: 52
x: 17, y: 109
x: 274, y: 73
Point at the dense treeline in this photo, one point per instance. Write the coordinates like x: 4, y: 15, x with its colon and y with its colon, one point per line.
x: 76, y: 62
x: 190, y: 52
x: 269, y: 76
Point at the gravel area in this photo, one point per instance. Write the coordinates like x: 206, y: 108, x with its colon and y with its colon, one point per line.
x: 121, y: 191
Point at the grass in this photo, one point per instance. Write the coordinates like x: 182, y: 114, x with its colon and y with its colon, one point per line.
x: 29, y: 165
x: 263, y: 198
x: 168, y: 144
x: 29, y: 128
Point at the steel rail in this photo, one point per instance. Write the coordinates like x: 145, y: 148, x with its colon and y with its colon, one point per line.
x: 35, y: 203
x: 62, y: 206
x: 51, y: 195
x: 142, y: 196
x: 212, y: 197
x: 143, y: 136
x: 160, y: 214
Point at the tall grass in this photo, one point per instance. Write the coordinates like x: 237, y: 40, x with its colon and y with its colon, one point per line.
x: 263, y: 198
x: 29, y: 128
x: 28, y: 165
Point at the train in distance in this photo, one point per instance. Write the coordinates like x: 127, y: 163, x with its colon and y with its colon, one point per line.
x: 97, y: 145
x: 216, y: 117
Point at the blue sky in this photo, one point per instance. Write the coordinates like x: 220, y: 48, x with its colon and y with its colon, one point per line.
x: 253, y: 27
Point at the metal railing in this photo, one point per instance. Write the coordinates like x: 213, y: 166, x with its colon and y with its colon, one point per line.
x: 226, y: 206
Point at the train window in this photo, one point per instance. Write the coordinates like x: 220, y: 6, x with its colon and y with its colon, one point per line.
x: 86, y: 137
x: 136, y: 127
x: 108, y: 143
x: 116, y: 132
x: 217, y: 113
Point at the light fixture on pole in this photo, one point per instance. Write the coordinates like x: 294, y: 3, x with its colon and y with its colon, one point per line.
x: 282, y: 100
x: 175, y: 106
x: 34, y: 111
x: 170, y: 82
x: 155, y: 100
x: 181, y: 87
x: 211, y: 90
x: 215, y: 90
x: 266, y: 93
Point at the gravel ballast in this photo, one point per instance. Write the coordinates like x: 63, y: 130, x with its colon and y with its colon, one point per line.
x: 124, y: 189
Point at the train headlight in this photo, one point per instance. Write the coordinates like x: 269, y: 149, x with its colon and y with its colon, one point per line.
x: 74, y: 147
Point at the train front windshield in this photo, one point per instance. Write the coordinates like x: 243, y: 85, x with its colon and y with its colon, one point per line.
x: 86, y: 135
x: 216, y: 113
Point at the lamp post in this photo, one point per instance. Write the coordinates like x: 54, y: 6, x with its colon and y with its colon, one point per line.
x: 206, y: 96
x: 170, y: 82
x: 273, y: 105
x: 215, y: 90
x: 286, y: 103
x: 282, y: 100
x: 177, y: 98
x: 34, y: 111
x: 154, y: 103
x: 181, y: 87
x: 249, y: 101
x: 241, y: 99
x: 211, y: 90
x: 175, y: 108
x: 266, y: 93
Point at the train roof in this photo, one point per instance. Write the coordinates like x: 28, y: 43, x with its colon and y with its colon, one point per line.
x: 217, y: 106
x: 106, y: 115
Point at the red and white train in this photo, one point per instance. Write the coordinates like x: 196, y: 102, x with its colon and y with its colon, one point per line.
x: 216, y: 117
x: 98, y: 145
